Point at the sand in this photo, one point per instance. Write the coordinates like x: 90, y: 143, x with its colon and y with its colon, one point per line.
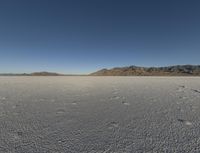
x: 99, y: 114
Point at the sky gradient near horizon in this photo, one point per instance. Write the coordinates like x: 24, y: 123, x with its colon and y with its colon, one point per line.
x: 82, y: 36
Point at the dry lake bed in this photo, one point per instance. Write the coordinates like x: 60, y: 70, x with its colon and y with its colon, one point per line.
x: 99, y: 114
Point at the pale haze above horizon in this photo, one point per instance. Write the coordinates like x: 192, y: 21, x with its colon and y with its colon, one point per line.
x: 82, y: 36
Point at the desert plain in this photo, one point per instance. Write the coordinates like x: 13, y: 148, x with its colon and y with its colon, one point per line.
x: 88, y: 114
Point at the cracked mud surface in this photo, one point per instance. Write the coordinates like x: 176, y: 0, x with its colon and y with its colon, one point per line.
x: 99, y: 114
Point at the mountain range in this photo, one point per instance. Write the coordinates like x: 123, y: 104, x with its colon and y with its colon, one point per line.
x: 177, y: 70
x: 32, y: 74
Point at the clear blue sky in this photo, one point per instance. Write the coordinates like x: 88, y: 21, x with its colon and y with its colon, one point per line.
x: 82, y: 36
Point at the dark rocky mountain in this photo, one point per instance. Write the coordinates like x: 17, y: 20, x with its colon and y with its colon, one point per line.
x: 178, y: 70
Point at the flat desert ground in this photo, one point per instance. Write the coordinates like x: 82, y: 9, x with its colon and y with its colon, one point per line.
x: 99, y: 114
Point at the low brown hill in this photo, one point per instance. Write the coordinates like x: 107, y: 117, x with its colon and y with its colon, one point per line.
x: 44, y: 74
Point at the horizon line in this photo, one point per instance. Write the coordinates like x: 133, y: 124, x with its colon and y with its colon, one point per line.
x: 60, y: 73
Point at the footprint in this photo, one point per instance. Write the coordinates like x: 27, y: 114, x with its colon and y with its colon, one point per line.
x: 115, y: 97
x: 125, y: 103
x: 60, y: 111
x: 15, y: 106
x: 188, y: 123
x: 113, y: 125
x: 195, y: 90
x: 153, y: 99
x: 19, y: 133
x: 115, y: 93
x: 16, y: 136
x: 182, y: 97
x: 74, y: 103
x: 180, y: 88
x: 194, y: 108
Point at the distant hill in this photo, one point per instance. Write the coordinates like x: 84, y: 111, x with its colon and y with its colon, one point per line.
x: 14, y: 74
x: 31, y: 74
x: 178, y: 70
x: 45, y: 74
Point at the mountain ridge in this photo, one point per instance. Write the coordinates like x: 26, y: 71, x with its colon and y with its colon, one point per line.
x: 176, y: 70
x: 42, y: 73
